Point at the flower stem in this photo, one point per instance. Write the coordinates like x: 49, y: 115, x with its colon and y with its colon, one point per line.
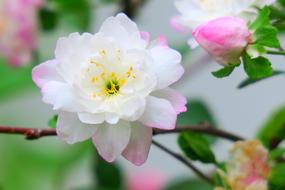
x: 184, y: 161
x: 275, y: 52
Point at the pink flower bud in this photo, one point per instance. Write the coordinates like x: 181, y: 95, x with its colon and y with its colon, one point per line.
x: 224, y: 38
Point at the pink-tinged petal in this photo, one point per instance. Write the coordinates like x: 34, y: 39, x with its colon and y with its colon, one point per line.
x: 61, y: 96
x: 90, y: 118
x: 71, y: 130
x: 111, y: 140
x: 162, y: 40
x: 174, y: 97
x: 177, y: 26
x: 166, y: 65
x: 159, y: 113
x: 139, y: 145
x: 45, y: 72
x: 145, y: 36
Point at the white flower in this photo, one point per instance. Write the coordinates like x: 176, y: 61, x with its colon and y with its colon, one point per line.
x: 195, y: 12
x: 112, y: 86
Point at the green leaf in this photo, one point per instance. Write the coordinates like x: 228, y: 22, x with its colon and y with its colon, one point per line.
x: 277, y: 153
x: 250, y: 81
x: 189, y: 185
x: 267, y: 36
x: 48, y: 19
x: 262, y: 19
x: 276, y: 180
x: 52, y: 121
x: 77, y: 14
x: 274, y: 129
x: 257, y: 68
x: 197, y: 112
x: 108, y: 175
x: 224, y: 72
x: 196, y: 147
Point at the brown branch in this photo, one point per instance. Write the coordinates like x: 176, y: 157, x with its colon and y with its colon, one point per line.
x: 204, y: 128
x: 29, y: 133
x: 184, y: 161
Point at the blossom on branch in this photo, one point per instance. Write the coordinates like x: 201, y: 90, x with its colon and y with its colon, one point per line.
x: 18, y: 28
x: 196, y: 12
x: 224, y: 38
x: 113, y: 87
x: 248, y: 167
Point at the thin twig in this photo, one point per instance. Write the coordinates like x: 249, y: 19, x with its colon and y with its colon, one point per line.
x: 29, y: 133
x: 204, y: 128
x: 184, y: 161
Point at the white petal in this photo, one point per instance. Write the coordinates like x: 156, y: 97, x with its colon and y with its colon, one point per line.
x: 128, y: 24
x: 132, y: 108
x: 90, y: 118
x: 124, y: 31
x: 139, y: 145
x: 71, y: 52
x: 61, y: 96
x: 174, y: 97
x: 166, y: 65
x: 112, y: 118
x: 45, y: 72
x: 159, y: 113
x: 71, y: 130
x: 111, y: 140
